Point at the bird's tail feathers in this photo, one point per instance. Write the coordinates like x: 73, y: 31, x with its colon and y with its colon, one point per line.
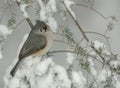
x: 13, y: 71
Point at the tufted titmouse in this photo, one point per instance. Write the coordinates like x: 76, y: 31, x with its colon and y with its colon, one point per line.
x: 38, y: 43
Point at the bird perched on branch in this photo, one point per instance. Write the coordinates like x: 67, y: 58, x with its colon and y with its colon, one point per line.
x: 38, y: 43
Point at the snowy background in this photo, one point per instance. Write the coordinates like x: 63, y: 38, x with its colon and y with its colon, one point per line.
x: 89, y: 20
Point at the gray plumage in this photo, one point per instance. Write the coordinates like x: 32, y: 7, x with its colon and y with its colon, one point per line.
x: 36, y: 41
x: 33, y: 44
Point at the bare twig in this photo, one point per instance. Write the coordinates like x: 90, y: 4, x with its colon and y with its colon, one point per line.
x: 81, y: 40
x: 92, y: 3
x: 59, y: 34
x: 98, y: 34
x: 61, y: 41
x: 109, y: 46
x: 63, y: 51
x: 93, y: 9
x: 19, y: 23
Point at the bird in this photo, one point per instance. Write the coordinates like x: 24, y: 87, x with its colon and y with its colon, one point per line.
x: 38, y: 43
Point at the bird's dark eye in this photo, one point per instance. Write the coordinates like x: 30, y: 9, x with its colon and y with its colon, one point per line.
x: 45, y: 28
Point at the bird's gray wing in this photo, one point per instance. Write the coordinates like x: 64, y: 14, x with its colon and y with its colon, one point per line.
x: 33, y: 44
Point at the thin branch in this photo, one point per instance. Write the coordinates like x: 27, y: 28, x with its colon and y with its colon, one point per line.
x: 93, y: 9
x: 19, y: 23
x: 97, y: 34
x: 81, y: 40
x: 63, y: 51
x: 61, y: 41
x: 58, y: 34
x: 76, y: 23
x: 92, y: 3
x: 98, y: 12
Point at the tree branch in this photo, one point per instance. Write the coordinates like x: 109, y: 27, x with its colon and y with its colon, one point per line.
x: 93, y: 9
x: 63, y: 51
x: 81, y: 30
x: 97, y: 34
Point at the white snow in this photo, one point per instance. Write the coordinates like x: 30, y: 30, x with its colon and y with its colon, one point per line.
x: 100, y: 46
x: 23, y: 9
x: 114, y: 63
x: 44, y: 67
x: 118, y: 83
x: 78, y: 79
x: 4, y: 31
x: 40, y: 74
x: 47, y: 11
x: 103, y: 75
x: 92, y: 67
x: 70, y: 58
x: 68, y: 3
x: 53, y: 24
x: 61, y: 79
x: 1, y: 55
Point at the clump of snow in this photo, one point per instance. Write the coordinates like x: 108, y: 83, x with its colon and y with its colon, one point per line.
x: 46, y: 13
x: 4, y: 32
x: 102, y: 77
x: 98, y: 44
x: 70, y: 58
x: 92, y: 67
x: 43, y: 66
x: 1, y: 55
x: 23, y: 9
x: 40, y: 74
x: 78, y: 80
x: 61, y: 77
x: 68, y: 3
x: 117, y: 83
x: 114, y: 63
x: 100, y: 47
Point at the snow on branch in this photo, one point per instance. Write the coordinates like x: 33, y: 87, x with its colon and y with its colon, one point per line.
x: 68, y: 3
